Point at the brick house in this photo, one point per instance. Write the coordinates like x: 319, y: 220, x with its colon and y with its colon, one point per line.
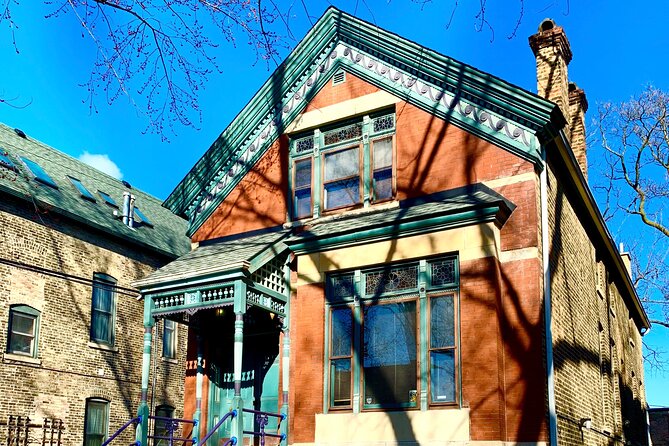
x: 69, y: 317
x: 393, y: 247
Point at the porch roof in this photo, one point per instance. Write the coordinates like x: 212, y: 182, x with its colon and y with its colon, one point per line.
x: 471, y: 204
x: 244, y: 251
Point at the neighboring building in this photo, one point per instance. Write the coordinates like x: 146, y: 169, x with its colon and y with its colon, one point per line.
x: 70, y: 321
x: 659, y: 425
x: 396, y: 248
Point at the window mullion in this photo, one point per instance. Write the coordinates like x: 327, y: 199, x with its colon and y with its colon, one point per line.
x: 423, y: 330
x: 357, y: 344
x: 317, y: 173
x: 366, y: 175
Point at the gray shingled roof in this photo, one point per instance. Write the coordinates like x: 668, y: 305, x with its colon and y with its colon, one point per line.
x: 219, y: 255
x: 462, y: 199
x: 167, y: 236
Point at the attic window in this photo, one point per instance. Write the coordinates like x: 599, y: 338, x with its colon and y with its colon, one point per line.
x: 339, y: 77
x: 142, y: 217
x: 108, y: 199
x: 5, y: 161
x: 39, y: 173
x: 85, y: 194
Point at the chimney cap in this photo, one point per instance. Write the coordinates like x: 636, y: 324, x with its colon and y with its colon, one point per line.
x: 550, y: 35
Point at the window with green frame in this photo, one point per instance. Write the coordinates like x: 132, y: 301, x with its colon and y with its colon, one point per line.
x: 96, y: 421
x: 23, y: 330
x: 342, y: 166
x: 169, y: 339
x: 102, y: 308
x: 393, y: 336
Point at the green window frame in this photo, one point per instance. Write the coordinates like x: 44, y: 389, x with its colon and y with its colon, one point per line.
x: 96, y: 421
x: 343, y: 166
x: 103, y: 309
x: 393, y: 336
x: 23, y: 330
x: 169, y: 339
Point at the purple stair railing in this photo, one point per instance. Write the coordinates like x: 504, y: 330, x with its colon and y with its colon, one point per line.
x: 134, y: 421
x: 231, y: 441
x: 263, y: 419
x: 170, y: 426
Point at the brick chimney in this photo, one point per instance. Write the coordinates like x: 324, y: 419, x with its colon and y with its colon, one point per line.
x: 553, y: 53
x: 578, y: 105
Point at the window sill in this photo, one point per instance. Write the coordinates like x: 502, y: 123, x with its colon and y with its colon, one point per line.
x: 169, y: 360
x: 21, y: 358
x: 101, y: 346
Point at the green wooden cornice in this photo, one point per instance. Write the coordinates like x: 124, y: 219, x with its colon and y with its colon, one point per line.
x: 499, y: 112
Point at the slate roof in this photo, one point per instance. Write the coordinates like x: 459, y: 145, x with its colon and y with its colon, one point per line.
x: 459, y: 200
x: 167, y: 236
x: 219, y: 255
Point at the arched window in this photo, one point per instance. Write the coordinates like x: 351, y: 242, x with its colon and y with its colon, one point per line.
x: 96, y: 423
x: 103, y: 303
x: 23, y: 330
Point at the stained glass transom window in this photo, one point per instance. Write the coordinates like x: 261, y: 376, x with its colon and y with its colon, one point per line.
x: 388, y: 281
x: 304, y: 145
x: 342, y: 286
x: 442, y: 272
x: 347, y: 133
x: 383, y: 123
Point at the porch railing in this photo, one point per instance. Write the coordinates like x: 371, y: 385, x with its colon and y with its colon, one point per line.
x: 232, y: 440
x: 262, y: 418
x: 165, y: 431
x: 134, y: 421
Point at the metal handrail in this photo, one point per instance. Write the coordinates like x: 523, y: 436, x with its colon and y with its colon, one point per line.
x: 135, y: 421
x: 263, y: 420
x: 171, y: 425
x: 231, y: 441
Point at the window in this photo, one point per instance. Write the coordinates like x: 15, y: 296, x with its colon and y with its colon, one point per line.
x: 82, y: 189
x: 23, y: 328
x: 169, y: 339
x: 39, y: 173
x: 96, y: 421
x: 343, y: 166
x: 108, y: 199
x: 160, y: 426
x: 406, y: 312
x: 102, y: 312
x: 142, y: 217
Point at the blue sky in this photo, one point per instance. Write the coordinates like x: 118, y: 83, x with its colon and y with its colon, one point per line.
x: 618, y: 49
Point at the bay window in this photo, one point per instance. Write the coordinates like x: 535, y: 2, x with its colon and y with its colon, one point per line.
x: 393, y: 336
x: 343, y: 166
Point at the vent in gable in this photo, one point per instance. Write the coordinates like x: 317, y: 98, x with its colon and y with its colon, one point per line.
x: 339, y: 77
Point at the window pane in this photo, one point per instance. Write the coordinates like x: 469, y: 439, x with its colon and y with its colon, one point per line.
x: 383, y: 184
x: 342, y: 164
x: 169, y: 339
x: 23, y: 324
x: 303, y: 173
x: 101, y: 329
x: 442, y: 317
x: 342, y: 332
x: 102, y: 298
x: 303, y: 203
x: 389, y: 360
x: 383, y: 153
x: 340, y: 380
x: 342, y: 193
x: 21, y: 344
x: 442, y: 376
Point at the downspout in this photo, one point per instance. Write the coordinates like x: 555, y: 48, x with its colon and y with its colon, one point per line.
x: 548, y: 334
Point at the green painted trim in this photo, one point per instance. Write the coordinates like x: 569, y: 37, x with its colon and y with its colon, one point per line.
x: 396, y: 230
x: 519, y: 105
x: 174, y: 292
x: 190, y: 284
x: 240, y: 297
x: 423, y: 322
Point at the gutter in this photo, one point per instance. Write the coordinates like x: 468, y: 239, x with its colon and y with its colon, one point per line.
x: 548, y: 334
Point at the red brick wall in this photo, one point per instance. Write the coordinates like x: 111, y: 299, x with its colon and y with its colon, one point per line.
x: 307, y: 329
x: 333, y: 94
x: 258, y: 201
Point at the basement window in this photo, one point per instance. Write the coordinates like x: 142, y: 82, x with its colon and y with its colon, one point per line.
x: 85, y: 194
x: 39, y: 173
